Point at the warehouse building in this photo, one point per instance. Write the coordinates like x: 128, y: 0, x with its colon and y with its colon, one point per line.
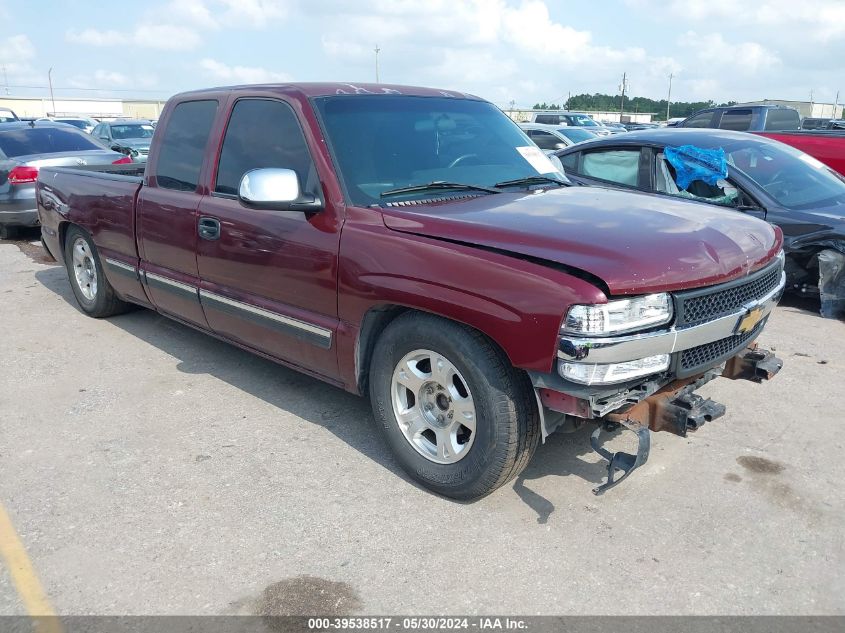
x: 811, y: 109
x: 96, y: 108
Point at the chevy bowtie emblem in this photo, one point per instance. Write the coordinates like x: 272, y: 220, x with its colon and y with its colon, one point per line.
x: 749, y: 320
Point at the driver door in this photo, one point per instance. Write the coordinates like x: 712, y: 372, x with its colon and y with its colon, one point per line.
x: 268, y: 278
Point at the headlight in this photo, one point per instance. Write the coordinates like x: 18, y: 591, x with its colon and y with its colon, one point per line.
x: 591, y: 374
x: 621, y: 315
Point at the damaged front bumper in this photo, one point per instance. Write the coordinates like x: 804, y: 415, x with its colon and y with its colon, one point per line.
x: 676, y: 408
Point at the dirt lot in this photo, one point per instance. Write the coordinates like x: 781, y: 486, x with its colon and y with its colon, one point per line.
x: 148, y: 468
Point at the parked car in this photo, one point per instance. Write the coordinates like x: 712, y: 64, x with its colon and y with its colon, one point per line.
x: 547, y: 137
x: 675, y: 121
x: 615, y: 128
x: 814, y: 123
x: 83, y: 123
x: 577, y: 134
x: 8, y: 116
x: 387, y: 244
x: 631, y: 127
x: 835, y: 124
x: 27, y: 147
x: 127, y: 136
x: 765, y: 178
x: 757, y: 118
x: 574, y: 119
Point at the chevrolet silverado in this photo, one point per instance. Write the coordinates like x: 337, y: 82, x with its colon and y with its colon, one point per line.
x: 414, y: 245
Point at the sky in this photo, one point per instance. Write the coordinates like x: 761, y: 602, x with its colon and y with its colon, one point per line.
x: 521, y: 51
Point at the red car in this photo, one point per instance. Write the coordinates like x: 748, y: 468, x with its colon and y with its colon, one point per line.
x: 414, y: 245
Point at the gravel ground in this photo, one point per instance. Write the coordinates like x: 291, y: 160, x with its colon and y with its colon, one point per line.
x: 150, y: 469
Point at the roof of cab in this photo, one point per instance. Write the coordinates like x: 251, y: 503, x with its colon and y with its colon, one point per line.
x: 317, y: 89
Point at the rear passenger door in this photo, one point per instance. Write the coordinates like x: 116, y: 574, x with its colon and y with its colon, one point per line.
x: 269, y: 277
x: 166, y: 216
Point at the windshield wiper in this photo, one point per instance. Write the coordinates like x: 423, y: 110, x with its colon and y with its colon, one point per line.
x: 438, y: 184
x: 533, y: 180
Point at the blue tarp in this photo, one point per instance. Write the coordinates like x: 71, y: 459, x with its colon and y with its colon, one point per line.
x: 696, y: 163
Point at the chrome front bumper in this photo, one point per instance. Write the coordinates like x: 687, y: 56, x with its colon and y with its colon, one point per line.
x: 618, y: 349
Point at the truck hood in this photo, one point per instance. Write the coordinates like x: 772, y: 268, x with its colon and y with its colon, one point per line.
x: 634, y: 243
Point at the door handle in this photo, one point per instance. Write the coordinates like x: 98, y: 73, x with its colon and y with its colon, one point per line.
x: 209, y: 228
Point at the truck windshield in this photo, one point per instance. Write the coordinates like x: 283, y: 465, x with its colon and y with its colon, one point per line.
x: 386, y: 142
x: 794, y: 179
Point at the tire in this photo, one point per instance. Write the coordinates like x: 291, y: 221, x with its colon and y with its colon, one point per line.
x: 425, y: 368
x: 94, y: 294
x: 8, y: 232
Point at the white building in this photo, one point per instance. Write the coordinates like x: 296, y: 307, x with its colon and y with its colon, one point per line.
x: 806, y: 109
x: 97, y: 108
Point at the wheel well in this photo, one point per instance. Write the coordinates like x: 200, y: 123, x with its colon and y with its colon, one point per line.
x: 372, y: 325
x: 63, y: 227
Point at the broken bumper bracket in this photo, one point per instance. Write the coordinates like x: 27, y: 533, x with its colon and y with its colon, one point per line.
x: 619, y: 461
x: 755, y: 364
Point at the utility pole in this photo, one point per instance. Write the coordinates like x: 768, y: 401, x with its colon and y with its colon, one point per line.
x: 835, y: 105
x: 568, y: 99
x: 669, y: 96
x: 377, y: 50
x: 50, y: 81
x: 623, y: 87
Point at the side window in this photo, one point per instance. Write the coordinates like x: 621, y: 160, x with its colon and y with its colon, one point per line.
x: 182, y: 145
x: 570, y: 162
x: 702, y: 119
x: 553, y: 119
x: 739, y: 120
x: 722, y: 193
x: 782, y: 119
x: 544, y: 140
x: 621, y: 166
x: 263, y: 133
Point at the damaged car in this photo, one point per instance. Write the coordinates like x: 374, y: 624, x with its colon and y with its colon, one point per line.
x: 754, y: 175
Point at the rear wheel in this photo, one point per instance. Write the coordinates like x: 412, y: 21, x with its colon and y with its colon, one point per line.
x: 459, y: 418
x: 8, y: 232
x: 92, y: 290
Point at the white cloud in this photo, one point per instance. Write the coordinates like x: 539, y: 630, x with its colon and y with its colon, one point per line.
x: 240, y: 74
x: 744, y: 57
x: 145, y: 35
x: 16, y: 53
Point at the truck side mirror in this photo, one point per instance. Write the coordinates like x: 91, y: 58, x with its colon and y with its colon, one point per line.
x: 274, y: 188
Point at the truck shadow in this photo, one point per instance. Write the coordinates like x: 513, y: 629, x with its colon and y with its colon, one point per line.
x: 345, y: 415
x: 561, y: 456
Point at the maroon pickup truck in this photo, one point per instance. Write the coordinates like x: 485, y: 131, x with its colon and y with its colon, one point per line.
x: 414, y: 245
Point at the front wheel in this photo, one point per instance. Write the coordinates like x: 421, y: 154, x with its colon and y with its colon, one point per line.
x: 92, y: 290
x: 458, y: 417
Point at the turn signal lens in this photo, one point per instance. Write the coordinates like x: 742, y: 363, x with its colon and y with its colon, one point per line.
x: 122, y: 161
x: 591, y: 374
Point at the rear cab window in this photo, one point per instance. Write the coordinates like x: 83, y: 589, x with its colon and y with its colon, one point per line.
x: 782, y: 119
x: 182, y: 146
x: 737, y: 120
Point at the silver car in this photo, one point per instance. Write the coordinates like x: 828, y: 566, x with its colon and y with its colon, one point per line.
x: 27, y: 146
x: 127, y: 136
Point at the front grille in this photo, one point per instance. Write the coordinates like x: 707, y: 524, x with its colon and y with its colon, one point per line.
x: 704, y: 356
x: 699, y: 306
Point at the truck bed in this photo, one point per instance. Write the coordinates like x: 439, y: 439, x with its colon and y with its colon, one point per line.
x: 101, y: 197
